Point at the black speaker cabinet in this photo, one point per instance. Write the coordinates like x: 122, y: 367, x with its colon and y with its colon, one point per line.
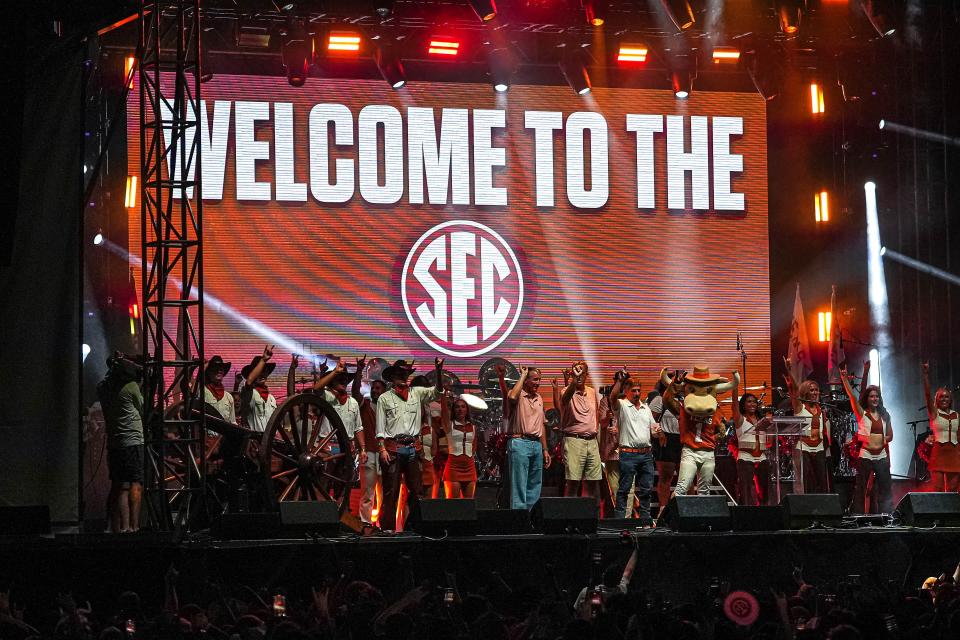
x: 436, y: 518
x: 28, y: 520
x: 756, y: 518
x: 246, y: 526
x: 929, y: 509
x: 698, y: 513
x: 802, y: 511
x: 565, y: 515
x: 321, y: 518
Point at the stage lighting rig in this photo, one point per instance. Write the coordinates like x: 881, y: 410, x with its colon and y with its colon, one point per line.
x: 595, y: 11
x: 879, y: 14
x: 789, y: 15
x: 384, y: 8
x: 682, y: 81
x: 297, y: 54
x: 680, y: 13
x: 486, y: 10
x: 502, y: 64
x: 575, y: 71
x: 390, y: 66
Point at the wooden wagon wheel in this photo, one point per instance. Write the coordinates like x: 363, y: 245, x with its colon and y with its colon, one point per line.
x: 297, y: 462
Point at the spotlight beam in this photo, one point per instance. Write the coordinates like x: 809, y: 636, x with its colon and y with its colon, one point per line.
x: 923, y: 134
x: 922, y: 267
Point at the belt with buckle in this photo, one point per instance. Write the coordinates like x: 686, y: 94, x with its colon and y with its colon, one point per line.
x: 645, y: 449
x: 525, y: 436
x: 581, y: 436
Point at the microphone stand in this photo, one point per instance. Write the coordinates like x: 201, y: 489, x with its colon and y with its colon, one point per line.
x: 916, y: 458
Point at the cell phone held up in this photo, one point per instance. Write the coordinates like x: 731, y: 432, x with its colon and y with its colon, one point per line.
x: 279, y: 606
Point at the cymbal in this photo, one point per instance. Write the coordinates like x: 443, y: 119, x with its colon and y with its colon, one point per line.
x: 762, y: 386
x: 474, y: 402
x: 470, y: 385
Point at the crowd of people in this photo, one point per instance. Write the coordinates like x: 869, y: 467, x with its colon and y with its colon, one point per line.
x: 603, y: 605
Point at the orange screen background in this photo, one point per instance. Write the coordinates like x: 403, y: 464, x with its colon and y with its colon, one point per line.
x: 616, y: 286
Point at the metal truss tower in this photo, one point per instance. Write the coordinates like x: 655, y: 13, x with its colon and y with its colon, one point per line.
x: 172, y: 273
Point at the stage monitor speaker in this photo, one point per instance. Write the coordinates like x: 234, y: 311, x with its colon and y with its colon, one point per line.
x: 503, y: 522
x: 565, y: 515
x: 25, y: 521
x: 756, y: 518
x: 930, y: 509
x: 320, y: 518
x: 436, y: 518
x: 246, y: 526
x: 698, y: 513
x: 803, y: 511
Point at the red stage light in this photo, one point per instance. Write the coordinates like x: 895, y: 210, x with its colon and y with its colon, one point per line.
x: 821, y: 207
x: 824, y: 323
x: 726, y: 55
x: 816, y: 99
x: 632, y: 53
x: 130, y: 194
x: 129, y: 64
x: 343, y: 42
x: 444, y: 46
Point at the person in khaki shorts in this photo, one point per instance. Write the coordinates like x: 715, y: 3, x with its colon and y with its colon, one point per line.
x: 581, y: 449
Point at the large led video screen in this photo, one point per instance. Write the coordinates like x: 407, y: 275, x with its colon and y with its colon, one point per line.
x: 625, y: 227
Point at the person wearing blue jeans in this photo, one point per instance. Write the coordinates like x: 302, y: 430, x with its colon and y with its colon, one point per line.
x: 527, y: 453
x: 637, y: 426
x: 526, y: 471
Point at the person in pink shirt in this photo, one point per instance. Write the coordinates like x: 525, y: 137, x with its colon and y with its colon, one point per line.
x: 579, y: 408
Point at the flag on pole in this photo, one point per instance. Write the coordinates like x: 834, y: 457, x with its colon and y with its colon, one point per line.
x: 799, y: 348
x: 835, y: 356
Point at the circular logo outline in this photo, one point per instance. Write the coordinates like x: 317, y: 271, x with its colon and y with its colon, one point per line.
x: 406, y: 306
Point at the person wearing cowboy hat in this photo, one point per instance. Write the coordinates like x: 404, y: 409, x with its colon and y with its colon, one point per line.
x: 214, y: 393
x: 700, y: 424
x: 333, y: 385
x: 399, y: 446
x: 257, y: 403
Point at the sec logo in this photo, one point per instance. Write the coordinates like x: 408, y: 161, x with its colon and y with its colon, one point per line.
x: 462, y: 288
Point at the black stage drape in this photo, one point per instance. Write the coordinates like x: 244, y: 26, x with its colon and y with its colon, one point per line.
x: 39, y: 347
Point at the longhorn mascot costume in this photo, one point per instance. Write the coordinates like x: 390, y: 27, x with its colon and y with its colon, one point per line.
x: 700, y: 423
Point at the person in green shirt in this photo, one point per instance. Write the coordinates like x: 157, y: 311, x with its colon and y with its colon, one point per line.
x: 122, y: 404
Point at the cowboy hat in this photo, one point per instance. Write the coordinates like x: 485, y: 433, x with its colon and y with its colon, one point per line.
x: 267, y: 369
x: 397, y: 369
x: 701, y: 376
x: 216, y: 362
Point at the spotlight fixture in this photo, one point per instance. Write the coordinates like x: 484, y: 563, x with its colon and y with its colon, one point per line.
x: 883, y: 123
x: 297, y: 55
x: 680, y: 13
x: 84, y: 352
x: 130, y: 193
x: 501, y: 63
x: 764, y: 75
x: 98, y: 238
x: 682, y: 82
x: 817, y: 105
x: 878, y: 15
x: 821, y: 206
x: 595, y: 11
x: 383, y: 8
x: 575, y: 72
x: 206, y: 70
x: 129, y: 69
x: 486, y: 10
x: 789, y: 14
x: 390, y: 66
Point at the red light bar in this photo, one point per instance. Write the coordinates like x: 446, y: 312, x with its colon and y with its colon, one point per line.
x: 345, y: 42
x: 632, y: 53
x: 443, y: 47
